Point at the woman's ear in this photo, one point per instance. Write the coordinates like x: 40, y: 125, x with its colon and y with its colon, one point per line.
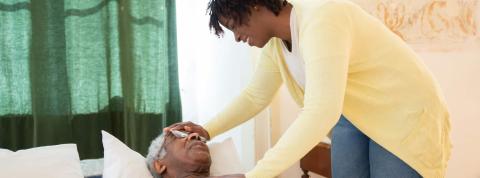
x: 159, y: 167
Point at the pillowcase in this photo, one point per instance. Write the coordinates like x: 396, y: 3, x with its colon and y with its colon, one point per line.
x: 122, y: 162
x: 47, y: 161
x: 119, y: 161
x: 225, y: 159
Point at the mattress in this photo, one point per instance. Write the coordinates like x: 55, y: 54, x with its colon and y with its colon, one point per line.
x: 92, y: 168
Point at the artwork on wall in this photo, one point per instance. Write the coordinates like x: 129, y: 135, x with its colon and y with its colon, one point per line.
x: 443, y: 25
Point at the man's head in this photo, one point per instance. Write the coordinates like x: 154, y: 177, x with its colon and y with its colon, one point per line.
x: 178, y: 152
x: 249, y: 20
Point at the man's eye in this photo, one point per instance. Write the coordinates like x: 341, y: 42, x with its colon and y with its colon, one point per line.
x: 183, y: 135
x: 180, y: 134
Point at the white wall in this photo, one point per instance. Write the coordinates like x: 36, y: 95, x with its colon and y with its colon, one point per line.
x: 212, y: 71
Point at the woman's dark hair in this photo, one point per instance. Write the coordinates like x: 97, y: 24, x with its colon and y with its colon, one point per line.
x: 238, y: 11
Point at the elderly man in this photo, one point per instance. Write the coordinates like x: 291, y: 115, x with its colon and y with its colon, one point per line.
x: 179, y: 154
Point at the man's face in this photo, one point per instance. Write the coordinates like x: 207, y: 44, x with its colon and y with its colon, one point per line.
x: 189, y: 152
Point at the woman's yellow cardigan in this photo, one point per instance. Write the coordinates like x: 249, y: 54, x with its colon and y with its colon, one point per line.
x: 356, y: 66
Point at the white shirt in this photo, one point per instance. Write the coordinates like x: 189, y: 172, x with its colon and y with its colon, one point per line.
x: 293, y: 59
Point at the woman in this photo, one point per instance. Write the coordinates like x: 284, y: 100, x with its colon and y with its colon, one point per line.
x: 351, y: 75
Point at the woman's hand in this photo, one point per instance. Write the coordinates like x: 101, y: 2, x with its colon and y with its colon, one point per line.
x: 229, y: 176
x: 189, y: 127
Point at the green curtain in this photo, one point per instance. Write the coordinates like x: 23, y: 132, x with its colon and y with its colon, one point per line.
x: 69, y: 69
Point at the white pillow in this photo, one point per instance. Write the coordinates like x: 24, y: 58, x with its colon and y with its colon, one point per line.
x: 60, y: 161
x: 120, y: 161
x: 225, y: 159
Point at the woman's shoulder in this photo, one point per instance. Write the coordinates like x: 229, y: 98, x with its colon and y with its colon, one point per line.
x: 324, y: 12
x: 306, y: 9
x: 315, y: 4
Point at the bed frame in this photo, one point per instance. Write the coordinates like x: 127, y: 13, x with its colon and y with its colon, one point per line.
x: 317, y: 161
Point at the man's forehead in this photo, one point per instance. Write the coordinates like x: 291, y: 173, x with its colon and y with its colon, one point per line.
x: 169, y: 138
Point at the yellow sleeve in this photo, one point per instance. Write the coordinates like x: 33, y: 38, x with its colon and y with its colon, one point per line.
x: 253, y: 99
x: 325, y: 42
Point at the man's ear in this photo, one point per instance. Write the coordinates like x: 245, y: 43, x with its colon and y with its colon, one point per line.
x: 159, y: 166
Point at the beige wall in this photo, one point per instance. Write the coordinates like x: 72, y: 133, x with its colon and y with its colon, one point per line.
x: 458, y: 72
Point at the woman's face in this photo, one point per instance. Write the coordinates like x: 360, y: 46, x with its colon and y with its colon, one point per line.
x: 255, y: 31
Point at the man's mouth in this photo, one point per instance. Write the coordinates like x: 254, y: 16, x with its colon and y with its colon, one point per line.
x: 196, y: 143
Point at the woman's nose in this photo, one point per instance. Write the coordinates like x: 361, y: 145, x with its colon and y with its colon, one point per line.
x: 237, y: 37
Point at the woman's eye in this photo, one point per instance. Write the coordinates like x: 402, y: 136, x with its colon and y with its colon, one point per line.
x: 232, y: 26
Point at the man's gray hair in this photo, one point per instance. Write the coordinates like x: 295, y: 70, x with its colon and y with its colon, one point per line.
x: 156, y: 151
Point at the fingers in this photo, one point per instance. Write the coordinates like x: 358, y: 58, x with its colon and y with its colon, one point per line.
x: 173, y: 126
x: 167, y: 129
x: 229, y: 176
x: 179, y: 127
x: 188, y: 128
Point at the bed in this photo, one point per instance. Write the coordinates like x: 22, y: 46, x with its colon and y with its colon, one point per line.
x: 316, y: 161
x: 92, y: 168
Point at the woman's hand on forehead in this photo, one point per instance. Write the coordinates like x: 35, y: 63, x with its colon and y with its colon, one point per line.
x: 188, y: 127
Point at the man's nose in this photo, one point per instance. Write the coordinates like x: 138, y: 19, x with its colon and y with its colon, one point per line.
x: 194, y: 136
